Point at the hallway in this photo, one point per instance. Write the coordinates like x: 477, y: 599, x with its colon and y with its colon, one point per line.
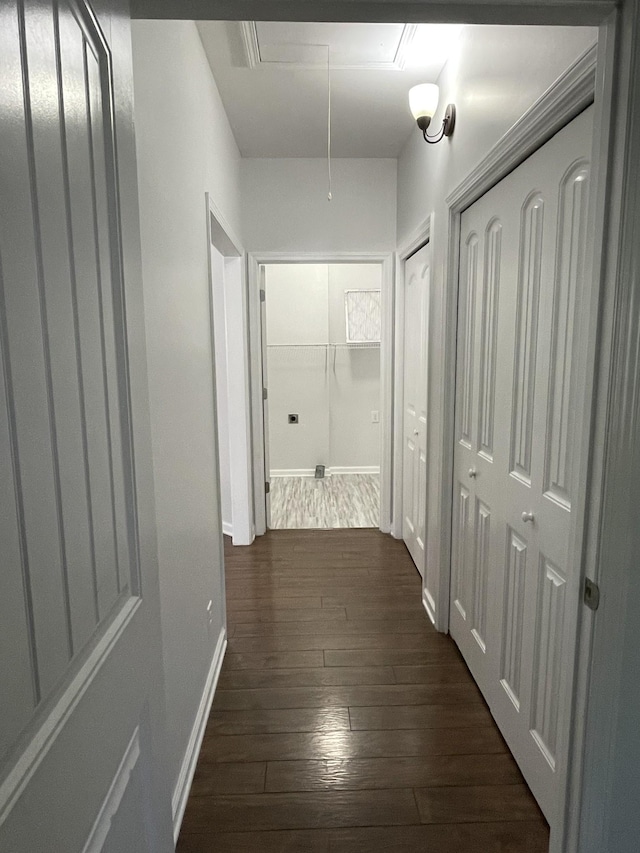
x: 342, y: 721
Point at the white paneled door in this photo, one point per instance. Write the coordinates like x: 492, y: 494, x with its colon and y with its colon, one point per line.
x: 80, y: 670
x: 522, y: 252
x: 416, y: 325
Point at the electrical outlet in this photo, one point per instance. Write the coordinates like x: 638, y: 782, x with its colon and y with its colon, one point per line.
x: 375, y: 417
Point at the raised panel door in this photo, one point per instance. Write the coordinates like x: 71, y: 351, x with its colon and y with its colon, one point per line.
x: 522, y: 256
x: 416, y: 325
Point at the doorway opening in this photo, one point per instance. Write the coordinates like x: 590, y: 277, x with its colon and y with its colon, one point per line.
x: 321, y: 328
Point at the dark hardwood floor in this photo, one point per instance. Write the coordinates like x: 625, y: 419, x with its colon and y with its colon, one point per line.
x: 343, y: 723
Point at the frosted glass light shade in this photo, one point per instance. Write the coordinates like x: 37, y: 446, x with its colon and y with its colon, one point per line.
x: 423, y: 100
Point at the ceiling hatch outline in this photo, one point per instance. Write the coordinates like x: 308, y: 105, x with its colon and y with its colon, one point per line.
x: 253, y: 58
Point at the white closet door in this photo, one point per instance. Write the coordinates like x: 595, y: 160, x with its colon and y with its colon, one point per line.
x: 522, y: 257
x: 416, y: 324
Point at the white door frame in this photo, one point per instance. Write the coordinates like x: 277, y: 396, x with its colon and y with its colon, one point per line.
x: 567, y: 97
x: 254, y: 261
x: 220, y: 235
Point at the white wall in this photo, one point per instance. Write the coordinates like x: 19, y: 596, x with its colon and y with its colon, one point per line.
x: 495, y: 75
x: 333, y: 389
x: 285, y: 207
x: 185, y: 147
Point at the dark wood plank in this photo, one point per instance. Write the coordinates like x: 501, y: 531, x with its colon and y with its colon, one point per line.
x: 505, y: 837
x: 531, y: 837
x: 432, y: 673
x: 320, y: 676
x: 311, y: 641
x: 295, y: 746
x: 375, y: 597
x: 246, y: 777
x: 476, y: 803
x: 316, y: 809
x: 327, y: 697
x: 281, y: 601
x: 389, y: 627
x: 273, y: 660
x: 332, y: 774
x: 388, y: 717
x: 433, y: 650
x: 272, y: 721
x: 411, y: 609
x: 271, y: 841
x: 289, y: 614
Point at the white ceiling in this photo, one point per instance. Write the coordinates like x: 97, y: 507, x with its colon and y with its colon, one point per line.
x: 272, y: 79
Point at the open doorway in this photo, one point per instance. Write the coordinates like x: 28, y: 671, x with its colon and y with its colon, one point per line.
x: 321, y: 366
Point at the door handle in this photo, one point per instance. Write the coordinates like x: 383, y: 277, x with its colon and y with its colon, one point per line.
x: 527, y: 517
x: 473, y: 472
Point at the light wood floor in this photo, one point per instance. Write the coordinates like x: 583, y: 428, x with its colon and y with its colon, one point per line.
x: 342, y: 500
x: 343, y: 723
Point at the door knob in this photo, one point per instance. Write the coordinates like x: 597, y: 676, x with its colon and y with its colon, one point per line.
x: 527, y: 517
x: 473, y: 472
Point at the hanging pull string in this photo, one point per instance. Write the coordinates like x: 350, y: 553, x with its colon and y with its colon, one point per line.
x: 329, y: 196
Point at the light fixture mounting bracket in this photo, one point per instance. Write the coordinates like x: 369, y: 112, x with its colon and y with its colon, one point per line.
x: 448, y: 124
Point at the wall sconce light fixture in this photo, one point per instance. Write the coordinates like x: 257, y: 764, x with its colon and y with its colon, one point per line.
x: 423, y: 102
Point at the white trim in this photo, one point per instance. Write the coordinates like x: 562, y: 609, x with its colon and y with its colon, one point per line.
x: 605, y: 748
x: 335, y: 469
x: 43, y: 733
x: 571, y: 93
x: 254, y: 261
x: 250, y: 43
x: 428, y: 606
x: 419, y: 237
x: 227, y: 528
x: 220, y: 235
x: 253, y: 57
x: 354, y: 469
x: 597, y: 323
x: 188, y: 768
x: 111, y: 804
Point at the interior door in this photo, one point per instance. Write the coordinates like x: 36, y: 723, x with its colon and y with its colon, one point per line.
x: 416, y: 325
x: 80, y: 670
x: 521, y: 262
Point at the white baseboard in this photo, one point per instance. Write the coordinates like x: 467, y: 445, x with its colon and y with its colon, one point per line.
x: 185, y: 778
x: 227, y: 528
x: 310, y: 472
x: 356, y: 469
x: 428, y: 606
